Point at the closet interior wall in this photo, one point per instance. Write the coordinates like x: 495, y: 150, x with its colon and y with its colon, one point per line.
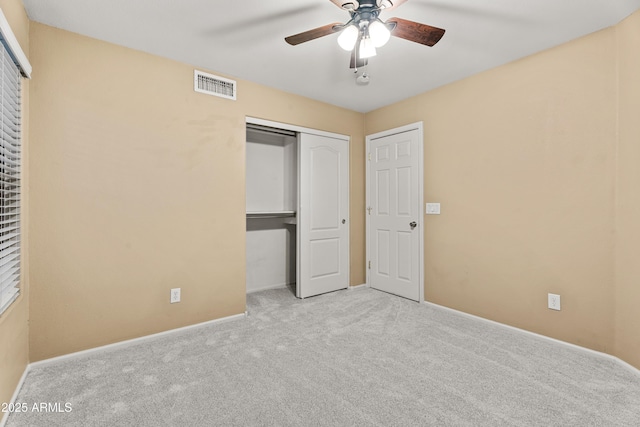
x: 271, y: 201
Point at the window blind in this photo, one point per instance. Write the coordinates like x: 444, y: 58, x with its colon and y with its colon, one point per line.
x: 10, y: 151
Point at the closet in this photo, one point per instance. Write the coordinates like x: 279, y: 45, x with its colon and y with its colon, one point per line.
x: 297, y: 200
x: 271, y: 178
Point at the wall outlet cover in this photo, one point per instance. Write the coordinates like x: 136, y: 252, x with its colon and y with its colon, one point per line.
x: 554, y: 301
x: 175, y: 295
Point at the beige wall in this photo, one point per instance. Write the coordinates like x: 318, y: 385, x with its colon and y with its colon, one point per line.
x: 627, y: 321
x: 137, y: 185
x: 522, y: 158
x: 14, y: 323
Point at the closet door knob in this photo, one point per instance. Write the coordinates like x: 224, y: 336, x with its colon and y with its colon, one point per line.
x: 344, y: 221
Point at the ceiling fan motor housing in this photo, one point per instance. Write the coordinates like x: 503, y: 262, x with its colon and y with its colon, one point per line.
x: 363, y: 18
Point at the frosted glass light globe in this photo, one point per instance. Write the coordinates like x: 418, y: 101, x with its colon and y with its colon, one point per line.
x: 367, y: 49
x: 348, y: 37
x: 379, y: 33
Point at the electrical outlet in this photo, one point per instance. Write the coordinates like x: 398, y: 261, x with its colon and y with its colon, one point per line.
x: 175, y: 295
x: 554, y: 301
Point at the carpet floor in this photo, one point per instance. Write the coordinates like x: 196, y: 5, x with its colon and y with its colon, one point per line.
x: 349, y: 358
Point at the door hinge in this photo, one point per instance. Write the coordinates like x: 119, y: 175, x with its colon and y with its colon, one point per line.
x: 369, y: 265
x: 369, y: 156
x: 369, y: 210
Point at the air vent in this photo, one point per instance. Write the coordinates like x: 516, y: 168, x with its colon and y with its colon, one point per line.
x: 214, y: 85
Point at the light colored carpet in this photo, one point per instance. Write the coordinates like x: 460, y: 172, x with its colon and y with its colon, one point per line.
x: 357, y: 357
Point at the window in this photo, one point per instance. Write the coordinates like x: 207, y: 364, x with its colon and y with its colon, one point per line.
x: 9, y: 182
x: 12, y: 65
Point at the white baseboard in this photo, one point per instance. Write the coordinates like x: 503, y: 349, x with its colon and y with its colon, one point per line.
x: 557, y: 341
x: 354, y: 287
x: 623, y: 363
x: 133, y: 341
x: 5, y: 416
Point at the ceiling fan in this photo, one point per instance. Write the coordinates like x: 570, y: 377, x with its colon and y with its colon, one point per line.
x: 365, y: 31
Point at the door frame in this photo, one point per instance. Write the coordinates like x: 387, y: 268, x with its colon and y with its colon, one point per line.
x: 419, y: 126
x: 294, y: 128
x: 300, y: 129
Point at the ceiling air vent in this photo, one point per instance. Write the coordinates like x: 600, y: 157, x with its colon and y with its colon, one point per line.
x: 214, y: 85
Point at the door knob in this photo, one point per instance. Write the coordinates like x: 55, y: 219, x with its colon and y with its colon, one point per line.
x: 344, y: 221
x: 413, y: 224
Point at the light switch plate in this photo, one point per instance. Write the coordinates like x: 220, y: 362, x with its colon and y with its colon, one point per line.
x: 433, y: 209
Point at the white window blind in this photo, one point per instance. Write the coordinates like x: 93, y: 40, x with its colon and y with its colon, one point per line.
x: 10, y: 150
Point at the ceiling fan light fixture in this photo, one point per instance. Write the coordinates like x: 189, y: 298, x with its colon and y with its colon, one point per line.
x: 379, y: 33
x: 348, y: 37
x: 367, y: 49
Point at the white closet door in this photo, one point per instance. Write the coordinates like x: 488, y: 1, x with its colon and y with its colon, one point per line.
x: 323, y: 215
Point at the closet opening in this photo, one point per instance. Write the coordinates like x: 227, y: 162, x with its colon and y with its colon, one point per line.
x: 271, y: 202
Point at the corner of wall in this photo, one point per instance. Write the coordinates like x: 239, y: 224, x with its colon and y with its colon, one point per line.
x: 627, y: 201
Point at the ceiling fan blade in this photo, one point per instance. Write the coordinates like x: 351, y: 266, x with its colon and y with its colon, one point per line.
x: 314, y: 34
x: 394, y: 4
x: 346, y: 4
x: 415, y: 32
x: 352, y: 5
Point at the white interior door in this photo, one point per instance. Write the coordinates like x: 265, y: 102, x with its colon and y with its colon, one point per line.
x: 323, y: 214
x: 395, y: 215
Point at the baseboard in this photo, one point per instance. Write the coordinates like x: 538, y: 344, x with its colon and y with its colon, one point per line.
x: 5, y: 416
x: 126, y: 343
x: 621, y: 362
x: 557, y: 341
x: 269, y: 287
x: 354, y: 287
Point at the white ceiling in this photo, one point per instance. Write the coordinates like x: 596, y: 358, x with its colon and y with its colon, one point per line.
x: 245, y: 39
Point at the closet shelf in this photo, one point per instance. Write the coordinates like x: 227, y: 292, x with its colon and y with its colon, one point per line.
x: 272, y: 214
